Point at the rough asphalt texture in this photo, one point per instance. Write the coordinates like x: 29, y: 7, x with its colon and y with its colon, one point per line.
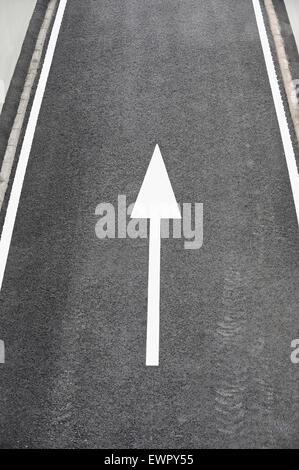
x: 189, y: 75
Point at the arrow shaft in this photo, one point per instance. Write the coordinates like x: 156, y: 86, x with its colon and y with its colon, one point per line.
x: 153, y: 299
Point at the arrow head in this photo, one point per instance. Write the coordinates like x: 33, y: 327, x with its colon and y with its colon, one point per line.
x: 156, y: 198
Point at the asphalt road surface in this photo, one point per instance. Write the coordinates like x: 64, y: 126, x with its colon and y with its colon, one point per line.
x: 189, y: 75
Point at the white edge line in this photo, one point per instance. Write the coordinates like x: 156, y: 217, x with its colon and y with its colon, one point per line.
x: 279, y: 107
x: 16, y: 190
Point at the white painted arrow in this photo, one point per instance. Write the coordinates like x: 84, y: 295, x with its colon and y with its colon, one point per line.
x: 155, y: 201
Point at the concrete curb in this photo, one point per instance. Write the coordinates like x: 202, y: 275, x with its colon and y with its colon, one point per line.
x: 288, y: 80
x: 16, y: 130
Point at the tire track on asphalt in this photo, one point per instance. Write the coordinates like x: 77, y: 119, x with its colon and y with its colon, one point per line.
x: 230, y: 398
x: 262, y: 390
x: 272, y: 378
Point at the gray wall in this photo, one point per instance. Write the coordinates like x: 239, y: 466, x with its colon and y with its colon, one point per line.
x: 292, y: 7
x: 14, y: 19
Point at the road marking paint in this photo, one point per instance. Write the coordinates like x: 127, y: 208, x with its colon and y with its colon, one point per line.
x: 279, y: 107
x: 2, y: 352
x: 16, y: 190
x: 155, y: 201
